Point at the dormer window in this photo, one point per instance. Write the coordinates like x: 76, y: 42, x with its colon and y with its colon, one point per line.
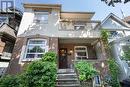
x: 41, y: 17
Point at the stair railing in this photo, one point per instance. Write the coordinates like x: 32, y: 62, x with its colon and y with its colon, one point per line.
x: 76, y: 71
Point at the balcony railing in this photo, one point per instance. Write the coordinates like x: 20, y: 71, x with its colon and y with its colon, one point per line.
x: 68, y: 29
x: 81, y: 25
x: 79, y: 29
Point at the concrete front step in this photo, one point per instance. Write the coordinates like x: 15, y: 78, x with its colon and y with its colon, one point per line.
x: 65, y: 71
x: 70, y: 79
x: 67, y: 78
x: 69, y: 85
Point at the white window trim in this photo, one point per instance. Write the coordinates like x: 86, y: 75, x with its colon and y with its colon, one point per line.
x: 80, y: 51
x: 32, y: 59
x: 42, y: 13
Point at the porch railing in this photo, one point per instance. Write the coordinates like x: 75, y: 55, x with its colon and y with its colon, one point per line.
x: 6, y: 55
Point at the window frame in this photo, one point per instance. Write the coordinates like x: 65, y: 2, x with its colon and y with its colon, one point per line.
x: 43, y: 13
x: 26, y: 49
x: 81, y: 51
x: 79, y: 25
x: 4, y: 21
x: 116, y: 34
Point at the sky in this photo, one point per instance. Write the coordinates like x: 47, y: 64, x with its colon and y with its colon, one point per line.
x: 100, y: 8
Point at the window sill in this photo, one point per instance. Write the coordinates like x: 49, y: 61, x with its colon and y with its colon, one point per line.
x: 30, y: 59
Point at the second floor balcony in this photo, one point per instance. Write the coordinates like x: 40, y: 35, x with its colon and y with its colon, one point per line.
x: 80, y: 28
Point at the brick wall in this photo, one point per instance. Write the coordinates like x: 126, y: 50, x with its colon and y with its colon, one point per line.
x: 2, y: 45
x: 16, y: 66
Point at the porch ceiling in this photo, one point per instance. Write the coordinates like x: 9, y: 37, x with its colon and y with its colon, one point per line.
x: 78, y: 40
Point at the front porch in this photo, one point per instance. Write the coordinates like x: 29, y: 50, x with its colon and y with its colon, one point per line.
x: 75, y: 49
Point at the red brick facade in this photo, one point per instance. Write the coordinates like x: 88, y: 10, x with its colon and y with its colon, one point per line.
x: 15, y: 65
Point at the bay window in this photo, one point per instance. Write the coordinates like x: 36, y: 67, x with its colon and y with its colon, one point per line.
x: 36, y: 48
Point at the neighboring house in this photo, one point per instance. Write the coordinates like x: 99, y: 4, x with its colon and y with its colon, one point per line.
x: 119, y: 41
x: 116, y: 26
x: 72, y: 35
x: 119, y: 47
x: 9, y: 23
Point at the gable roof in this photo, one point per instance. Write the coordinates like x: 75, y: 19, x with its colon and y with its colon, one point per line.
x: 117, y: 19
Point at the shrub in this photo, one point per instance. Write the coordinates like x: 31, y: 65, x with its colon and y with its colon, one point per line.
x: 86, y: 70
x: 105, y: 36
x: 9, y: 81
x: 49, y: 56
x: 114, y: 72
x: 126, y: 55
x: 41, y: 73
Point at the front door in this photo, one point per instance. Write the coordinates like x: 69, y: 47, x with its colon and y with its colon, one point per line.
x: 63, y: 58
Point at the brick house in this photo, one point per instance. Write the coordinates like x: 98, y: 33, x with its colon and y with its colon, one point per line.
x: 72, y: 35
x: 9, y: 23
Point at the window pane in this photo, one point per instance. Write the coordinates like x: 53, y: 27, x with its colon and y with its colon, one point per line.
x: 80, y: 48
x: 4, y: 7
x: 81, y: 53
x: 79, y: 27
x: 84, y: 57
x: 41, y: 17
x: 30, y: 56
x: 39, y: 55
x: 78, y: 57
x: 31, y: 49
x: 3, y: 19
x: 35, y: 49
x: 36, y: 42
x: 34, y: 55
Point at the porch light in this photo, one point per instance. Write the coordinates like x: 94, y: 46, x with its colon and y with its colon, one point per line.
x: 102, y: 65
x: 70, y: 52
